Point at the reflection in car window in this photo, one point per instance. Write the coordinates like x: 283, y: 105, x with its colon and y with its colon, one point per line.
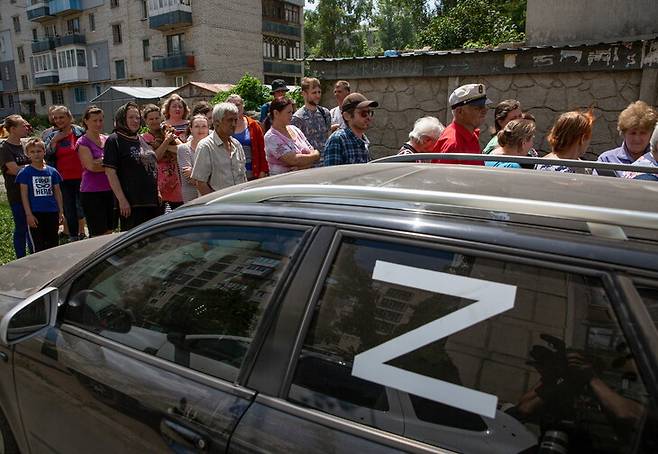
x: 189, y: 295
x: 557, y: 361
x: 650, y: 297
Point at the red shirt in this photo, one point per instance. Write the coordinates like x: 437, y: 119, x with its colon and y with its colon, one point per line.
x: 68, y: 163
x: 457, y: 139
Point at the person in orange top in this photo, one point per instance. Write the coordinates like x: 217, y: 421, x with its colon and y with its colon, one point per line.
x: 469, y: 108
x: 250, y: 135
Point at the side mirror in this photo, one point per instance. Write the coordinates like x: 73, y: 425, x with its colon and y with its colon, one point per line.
x: 29, y: 317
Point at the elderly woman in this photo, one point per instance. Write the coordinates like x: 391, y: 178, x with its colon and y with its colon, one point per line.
x: 515, y: 139
x: 250, y: 135
x: 635, y: 124
x: 286, y: 147
x: 198, y: 129
x: 175, y: 112
x: 569, y: 138
x: 423, y: 137
x: 219, y: 160
x: 12, y: 160
x: 649, y: 159
x: 61, y: 154
x: 505, y: 111
x: 131, y: 166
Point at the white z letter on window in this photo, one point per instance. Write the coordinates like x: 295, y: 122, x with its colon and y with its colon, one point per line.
x: 491, y: 298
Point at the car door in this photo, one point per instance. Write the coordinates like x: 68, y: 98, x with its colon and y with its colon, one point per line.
x: 151, y: 341
x: 488, y: 352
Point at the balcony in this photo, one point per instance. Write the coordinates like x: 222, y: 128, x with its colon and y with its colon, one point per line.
x: 275, y: 67
x: 172, y: 14
x: 48, y: 77
x: 38, y: 11
x: 64, y: 7
x: 70, y: 38
x: 281, y: 29
x: 177, y: 62
x: 72, y: 64
x: 43, y: 45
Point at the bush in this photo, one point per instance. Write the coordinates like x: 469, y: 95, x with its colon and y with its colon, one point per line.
x: 7, y: 253
x: 252, y: 91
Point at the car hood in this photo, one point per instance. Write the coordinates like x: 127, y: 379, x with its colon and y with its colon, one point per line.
x: 21, y: 278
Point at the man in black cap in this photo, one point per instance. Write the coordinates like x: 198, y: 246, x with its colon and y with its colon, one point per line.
x: 279, y: 90
x: 350, y: 145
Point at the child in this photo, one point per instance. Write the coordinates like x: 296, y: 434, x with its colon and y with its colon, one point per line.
x: 41, y: 196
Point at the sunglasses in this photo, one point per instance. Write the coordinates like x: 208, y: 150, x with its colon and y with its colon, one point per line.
x: 366, y: 113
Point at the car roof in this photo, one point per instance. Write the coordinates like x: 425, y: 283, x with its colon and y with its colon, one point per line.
x: 555, y: 187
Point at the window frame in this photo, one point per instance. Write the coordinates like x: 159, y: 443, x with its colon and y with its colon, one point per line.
x: 126, y: 241
x: 608, y: 275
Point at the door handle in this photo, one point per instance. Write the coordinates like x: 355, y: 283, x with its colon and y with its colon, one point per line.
x: 4, y: 357
x: 181, y: 436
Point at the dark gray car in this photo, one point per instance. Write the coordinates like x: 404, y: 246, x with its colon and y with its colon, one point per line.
x: 378, y: 308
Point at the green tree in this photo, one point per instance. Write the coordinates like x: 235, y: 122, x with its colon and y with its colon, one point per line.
x: 252, y: 91
x: 471, y: 23
x: 399, y: 22
x: 335, y: 28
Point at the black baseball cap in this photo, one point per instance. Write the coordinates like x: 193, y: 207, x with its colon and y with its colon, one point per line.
x: 279, y: 85
x: 356, y: 101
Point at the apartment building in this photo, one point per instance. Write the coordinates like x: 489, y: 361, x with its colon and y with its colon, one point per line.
x: 70, y: 51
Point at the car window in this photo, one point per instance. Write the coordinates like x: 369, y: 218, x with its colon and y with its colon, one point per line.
x: 650, y: 297
x: 483, y: 355
x: 193, y: 295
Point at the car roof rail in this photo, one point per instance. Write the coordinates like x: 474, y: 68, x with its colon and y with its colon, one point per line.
x: 605, y: 166
x: 585, y: 213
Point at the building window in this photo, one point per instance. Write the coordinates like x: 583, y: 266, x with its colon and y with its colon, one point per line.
x: 57, y: 96
x: 114, y: 3
x: 24, y: 82
x: 180, y: 81
x: 2, y: 102
x: 17, y: 23
x: 116, y: 34
x: 291, y: 13
x: 21, y: 54
x: 42, y: 97
x: 51, y: 30
x: 175, y: 44
x: 94, y: 58
x: 72, y: 57
x: 145, y: 49
x: 10, y: 98
x: 97, y: 87
x: 6, y: 72
x: 148, y: 82
x: 80, y: 94
x: 120, y: 69
x: 92, y: 22
x: 73, y: 25
x: 281, y: 48
x: 35, y: 34
x: 145, y: 10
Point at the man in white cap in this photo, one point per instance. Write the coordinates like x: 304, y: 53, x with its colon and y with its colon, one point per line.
x: 469, y: 108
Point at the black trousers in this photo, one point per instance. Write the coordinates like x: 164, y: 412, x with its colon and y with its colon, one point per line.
x: 44, y: 236
x: 139, y: 215
x: 72, y: 208
x: 100, y: 211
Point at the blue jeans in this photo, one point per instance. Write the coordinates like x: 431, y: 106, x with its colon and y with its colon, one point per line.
x: 20, y: 230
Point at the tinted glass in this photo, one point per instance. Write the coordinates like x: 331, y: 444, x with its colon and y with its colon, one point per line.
x: 650, y: 297
x: 515, y: 354
x: 193, y: 296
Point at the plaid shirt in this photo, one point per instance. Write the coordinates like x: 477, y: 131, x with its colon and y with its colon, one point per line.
x: 344, y: 147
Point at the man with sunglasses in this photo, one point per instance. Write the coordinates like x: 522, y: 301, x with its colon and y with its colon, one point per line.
x: 350, y: 145
x: 469, y: 108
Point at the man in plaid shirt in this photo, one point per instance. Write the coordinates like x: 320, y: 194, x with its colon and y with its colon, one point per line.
x: 350, y: 145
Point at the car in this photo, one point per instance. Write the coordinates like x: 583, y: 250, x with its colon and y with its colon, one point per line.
x: 384, y: 307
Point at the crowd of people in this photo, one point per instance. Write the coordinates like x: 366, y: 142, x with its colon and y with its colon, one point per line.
x: 159, y: 157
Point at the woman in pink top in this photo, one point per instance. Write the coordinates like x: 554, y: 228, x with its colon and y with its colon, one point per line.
x: 175, y: 112
x: 286, y: 147
x: 95, y: 191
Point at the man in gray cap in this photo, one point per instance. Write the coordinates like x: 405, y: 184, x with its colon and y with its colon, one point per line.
x: 350, y: 145
x: 469, y: 108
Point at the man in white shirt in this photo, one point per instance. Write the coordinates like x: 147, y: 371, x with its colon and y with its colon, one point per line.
x: 341, y: 90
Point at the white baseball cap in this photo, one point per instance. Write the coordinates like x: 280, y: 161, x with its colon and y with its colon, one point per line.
x: 474, y: 94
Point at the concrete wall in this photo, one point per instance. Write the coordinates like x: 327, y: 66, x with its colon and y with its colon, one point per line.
x: 569, y: 21
x: 547, y: 82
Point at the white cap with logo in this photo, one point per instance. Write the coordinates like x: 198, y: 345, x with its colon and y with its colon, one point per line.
x: 474, y: 94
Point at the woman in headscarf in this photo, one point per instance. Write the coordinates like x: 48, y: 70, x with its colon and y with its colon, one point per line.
x: 131, y: 166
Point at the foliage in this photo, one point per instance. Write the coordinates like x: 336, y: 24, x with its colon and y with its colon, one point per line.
x: 7, y: 253
x: 399, y: 22
x: 336, y: 28
x: 471, y: 23
x: 252, y: 91
x: 296, y: 96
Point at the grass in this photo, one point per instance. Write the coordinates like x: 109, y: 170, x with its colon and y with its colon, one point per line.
x: 6, y: 233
